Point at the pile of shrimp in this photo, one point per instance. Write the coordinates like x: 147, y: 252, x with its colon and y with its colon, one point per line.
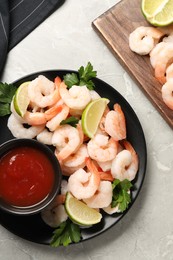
x: 158, y: 43
x: 89, y: 165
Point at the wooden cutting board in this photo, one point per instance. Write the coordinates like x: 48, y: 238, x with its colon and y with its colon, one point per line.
x: 114, y: 27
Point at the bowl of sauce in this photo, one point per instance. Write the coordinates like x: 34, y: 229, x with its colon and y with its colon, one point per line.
x: 30, y: 176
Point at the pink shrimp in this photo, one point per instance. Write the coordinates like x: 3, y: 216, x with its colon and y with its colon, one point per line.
x: 115, y: 124
x: 43, y: 92
x: 84, y: 184
x: 103, y: 196
x: 125, y: 164
x: 167, y: 93
x: 67, y: 139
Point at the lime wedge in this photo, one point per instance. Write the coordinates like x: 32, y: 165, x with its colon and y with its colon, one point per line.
x: 92, y: 115
x: 158, y: 12
x: 80, y: 213
x: 21, y: 99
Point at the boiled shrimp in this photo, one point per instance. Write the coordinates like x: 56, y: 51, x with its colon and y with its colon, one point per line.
x: 43, y: 92
x: 167, y: 93
x: 125, y: 164
x: 169, y: 72
x: 84, y: 184
x: 154, y: 54
x: 102, y: 148
x: 67, y: 140
x: 75, y: 161
x: 54, y: 123
x: 103, y: 196
x: 77, y: 97
x: 54, y: 214
x: 45, y: 137
x: 143, y: 39
x: 165, y: 59
x: 94, y: 95
x: 116, y: 119
x: 109, y: 210
x: 18, y: 129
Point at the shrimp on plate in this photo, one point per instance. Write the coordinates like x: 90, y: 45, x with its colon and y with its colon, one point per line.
x: 54, y: 123
x: 45, y: 137
x: 77, y: 97
x: 102, y: 197
x: 143, y: 39
x: 116, y: 119
x: 167, y: 93
x: 75, y: 161
x: 102, y: 148
x: 18, y: 130
x: 125, y: 164
x: 67, y: 139
x: 83, y: 184
x: 54, y: 214
x: 43, y: 92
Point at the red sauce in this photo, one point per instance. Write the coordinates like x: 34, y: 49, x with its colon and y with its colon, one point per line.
x: 26, y: 176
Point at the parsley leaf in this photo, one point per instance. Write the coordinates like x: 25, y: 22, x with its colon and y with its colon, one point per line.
x: 71, y: 79
x: 70, y: 120
x: 121, y: 195
x: 66, y: 233
x: 7, y: 92
x: 84, y: 78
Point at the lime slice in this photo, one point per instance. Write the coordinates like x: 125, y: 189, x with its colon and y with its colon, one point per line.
x: 92, y: 115
x: 158, y: 12
x: 80, y: 213
x: 21, y: 99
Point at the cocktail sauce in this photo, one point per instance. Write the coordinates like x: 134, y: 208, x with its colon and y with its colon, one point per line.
x: 26, y: 176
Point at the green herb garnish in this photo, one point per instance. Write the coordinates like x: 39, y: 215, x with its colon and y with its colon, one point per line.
x: 85, y: 77
x: 121, y: 196
x: 7, y: 92
x: 70, y: 121
x: 65, y: 234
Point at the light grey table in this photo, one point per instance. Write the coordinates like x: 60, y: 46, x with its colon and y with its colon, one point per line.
x: 66, y: 40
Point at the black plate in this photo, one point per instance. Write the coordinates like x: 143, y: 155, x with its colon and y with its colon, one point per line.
x: 33, y: 228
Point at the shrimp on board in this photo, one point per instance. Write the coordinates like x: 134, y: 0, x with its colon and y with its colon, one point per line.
x: 43, y: 92
x: 116, y: 119
x: 125, y: 164
x: 77, y: 97
x: 102, y: 148
x: 143, y: 39
x: 84, y: 184
x: 67, y: 139
x: 18, y: 129
x: 167, y: 93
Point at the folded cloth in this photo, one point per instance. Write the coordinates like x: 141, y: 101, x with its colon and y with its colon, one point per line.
x: 4, y: 31
x: 18, y: 18
x: 25, y: 15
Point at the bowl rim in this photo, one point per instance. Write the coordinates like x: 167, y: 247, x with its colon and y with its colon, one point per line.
x: 35, y: 208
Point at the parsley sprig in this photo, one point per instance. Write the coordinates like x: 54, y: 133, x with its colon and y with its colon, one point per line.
x: 121, y: 195
x: 67, y: 233
x: 84, y: 77
x: 72, y: 120
x: 7, y: 92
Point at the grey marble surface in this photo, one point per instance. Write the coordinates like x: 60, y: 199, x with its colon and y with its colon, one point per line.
x: 66, y: 40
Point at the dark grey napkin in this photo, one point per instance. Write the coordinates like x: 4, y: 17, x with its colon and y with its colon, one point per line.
x: 4, y: 31
x: 18, y: 18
